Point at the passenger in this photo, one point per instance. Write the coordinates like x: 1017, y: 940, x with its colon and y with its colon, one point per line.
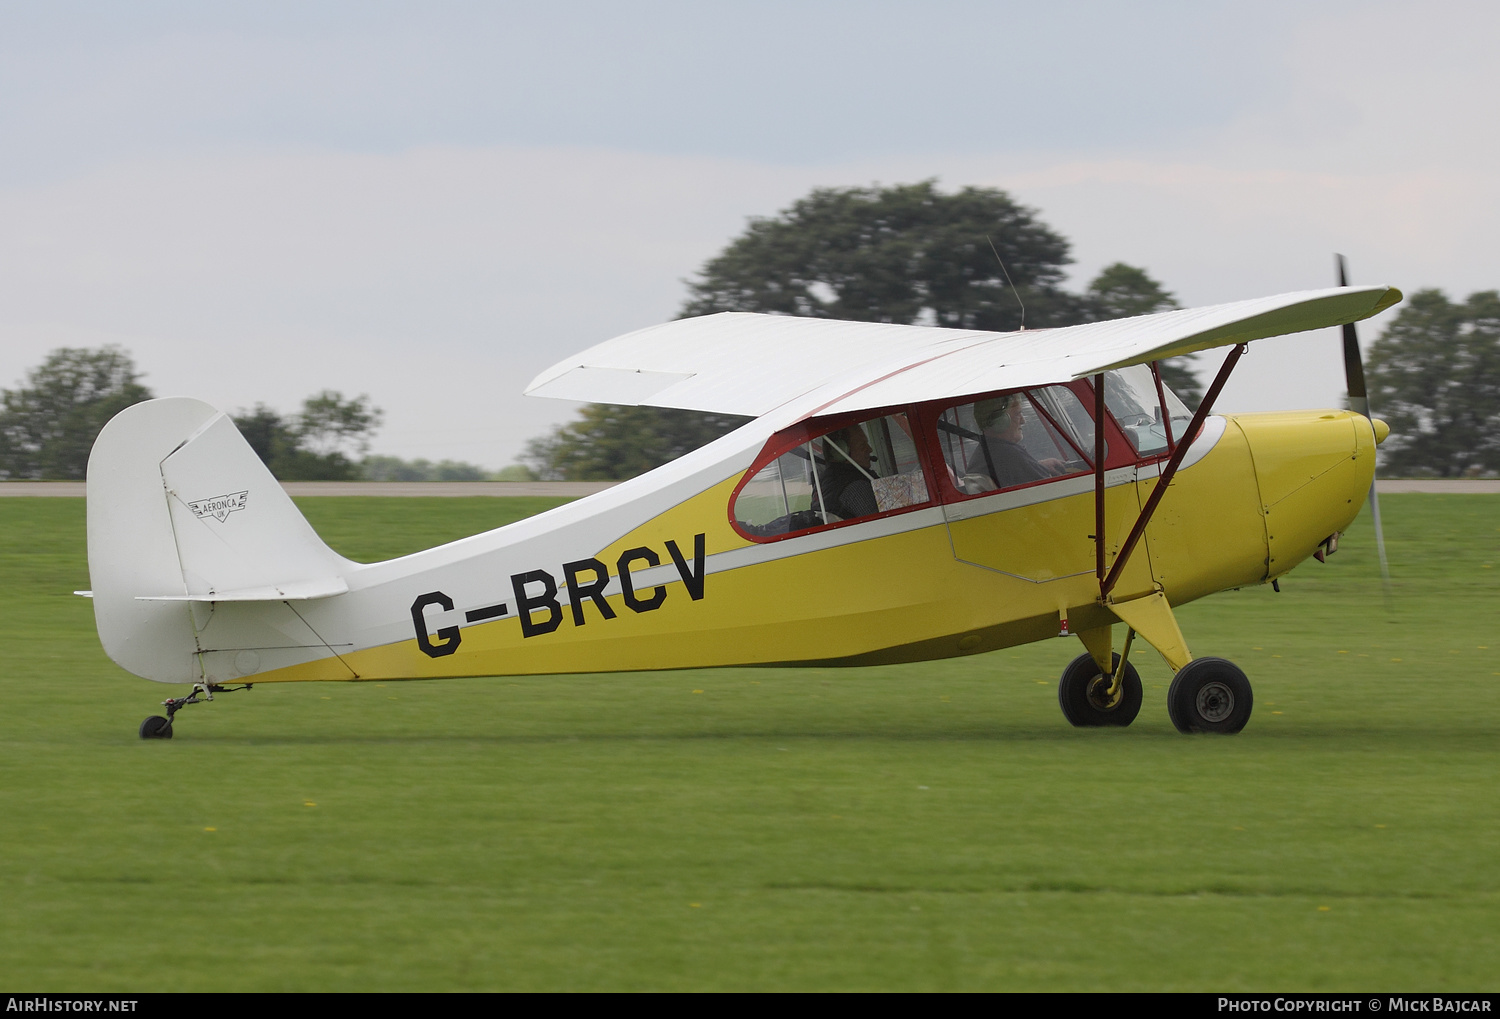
x: 845, y: 479
x: 1010, y: 463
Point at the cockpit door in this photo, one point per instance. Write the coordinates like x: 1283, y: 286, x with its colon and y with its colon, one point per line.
x: 1021, y: 484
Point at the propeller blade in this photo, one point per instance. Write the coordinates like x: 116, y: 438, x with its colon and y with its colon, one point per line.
x: 1354, y: 367
x: 1385, y: 567
x: 1359, y: 400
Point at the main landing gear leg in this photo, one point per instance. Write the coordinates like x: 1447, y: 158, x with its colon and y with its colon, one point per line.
x: 1090, y: 698
x: 1207, y: 694
x: 157, y: 727
x: 1100, y: 687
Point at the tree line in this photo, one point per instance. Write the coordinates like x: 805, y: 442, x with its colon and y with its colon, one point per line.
x: 49, y: 424
x: 973, y: 259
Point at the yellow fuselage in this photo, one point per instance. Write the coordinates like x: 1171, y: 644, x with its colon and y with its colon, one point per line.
x: 934, y: 583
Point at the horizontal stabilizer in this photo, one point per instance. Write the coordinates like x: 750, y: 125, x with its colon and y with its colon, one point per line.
x: 302, y: 590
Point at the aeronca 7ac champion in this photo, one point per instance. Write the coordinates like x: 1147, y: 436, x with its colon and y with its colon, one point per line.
x: 902, y: 493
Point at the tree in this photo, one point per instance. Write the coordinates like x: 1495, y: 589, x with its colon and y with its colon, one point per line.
x: 610, y: 442
x: 48, y: 426
x: 907, y: 254
x: 1434, y: 377
x: 329, y: 424
x: 392, y: 468
x: 273, y: 437
x: 1124, y: 291
x: 317, y: 445
x: 515, y: 472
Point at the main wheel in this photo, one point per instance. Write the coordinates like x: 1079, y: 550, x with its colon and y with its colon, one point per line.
x: 156, y: 727
x: 1083, y: 693
x: 1210, y: 695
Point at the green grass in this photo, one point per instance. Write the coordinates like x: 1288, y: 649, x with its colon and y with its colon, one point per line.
x: 920, y: 827
x: 372, y: 529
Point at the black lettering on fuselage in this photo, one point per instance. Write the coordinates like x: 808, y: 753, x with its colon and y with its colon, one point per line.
x: 586, y: 580
x: 593, y: 590
x: 449, y: 635
x: 691, y: 579
x: 627, y: 583
x: 479, y: 615
x: 525, y: 603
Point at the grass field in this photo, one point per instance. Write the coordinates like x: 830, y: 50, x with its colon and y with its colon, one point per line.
x: 918, y: 827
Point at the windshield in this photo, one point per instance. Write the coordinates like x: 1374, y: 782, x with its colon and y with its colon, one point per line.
x: 1130, y: 394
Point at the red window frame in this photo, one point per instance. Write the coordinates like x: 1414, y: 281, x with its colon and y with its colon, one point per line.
x: 1119, y: 452
x: 923, y: 417
x: 811, y: 428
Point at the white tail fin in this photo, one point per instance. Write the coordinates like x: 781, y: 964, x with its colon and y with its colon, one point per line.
x: 182, y: 511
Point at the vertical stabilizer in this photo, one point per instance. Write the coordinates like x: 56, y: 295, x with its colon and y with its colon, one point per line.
x: 181, y: 509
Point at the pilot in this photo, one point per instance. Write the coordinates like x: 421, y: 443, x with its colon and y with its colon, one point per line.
x: 1000, y: 418
x: 846, y: 478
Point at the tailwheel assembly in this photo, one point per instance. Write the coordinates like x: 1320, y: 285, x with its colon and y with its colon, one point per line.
x: 157, y: 727
x: 1090, y: 698
x: 1210, y: 695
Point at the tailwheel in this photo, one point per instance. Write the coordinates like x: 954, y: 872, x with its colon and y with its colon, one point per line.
x: 1086, y: 699
x: 1210, y: 695
x: 156, y: 727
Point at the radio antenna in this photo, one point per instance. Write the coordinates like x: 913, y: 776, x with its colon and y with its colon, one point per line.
x: 1008, y: 280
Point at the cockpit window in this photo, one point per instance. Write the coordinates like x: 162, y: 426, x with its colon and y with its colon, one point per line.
x: 860, y: 470
x: 1016, y: 439
x: 1131, y: 396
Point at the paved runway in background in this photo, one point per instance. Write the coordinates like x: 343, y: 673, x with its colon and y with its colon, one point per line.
x: 1449, y: 485
x: 1475, y: 486
x: 399, y: 488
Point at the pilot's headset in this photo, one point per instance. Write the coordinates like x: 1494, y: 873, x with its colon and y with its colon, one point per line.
x: 988, y: 411
x: 838, y: 439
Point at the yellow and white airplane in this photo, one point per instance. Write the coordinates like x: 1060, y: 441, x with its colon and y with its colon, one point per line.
x: 902, y: 493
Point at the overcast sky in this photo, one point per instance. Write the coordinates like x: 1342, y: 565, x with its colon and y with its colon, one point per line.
x: 431, y: 202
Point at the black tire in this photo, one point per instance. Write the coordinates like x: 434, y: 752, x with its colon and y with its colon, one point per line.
x: 1210, y: 695
x: 1080, y: 693
x: 156, y: 727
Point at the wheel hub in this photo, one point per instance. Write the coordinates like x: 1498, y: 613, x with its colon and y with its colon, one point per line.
x: 1215, y: 701
x: 1099, y: 695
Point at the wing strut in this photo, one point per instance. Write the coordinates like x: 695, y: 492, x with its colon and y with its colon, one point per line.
x: 1107, y: 582
x: 1099, y: 481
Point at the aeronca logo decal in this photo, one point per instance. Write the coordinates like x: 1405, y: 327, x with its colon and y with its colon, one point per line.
x: 539, y: 608
x: 220, y: 506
